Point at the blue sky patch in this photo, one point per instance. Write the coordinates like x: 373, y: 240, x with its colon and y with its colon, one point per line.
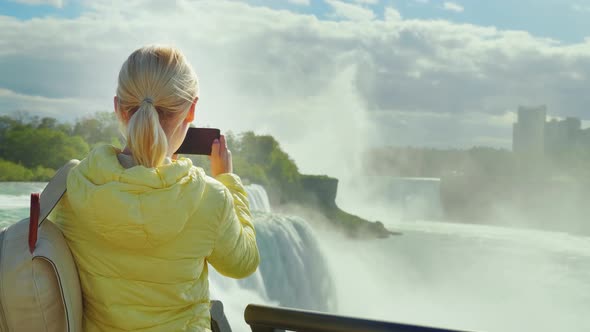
x: 22, y: 11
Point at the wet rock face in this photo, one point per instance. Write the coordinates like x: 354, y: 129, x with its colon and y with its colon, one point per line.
x: 322, y: 188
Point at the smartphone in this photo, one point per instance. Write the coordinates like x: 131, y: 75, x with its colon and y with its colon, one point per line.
x: 198, y: 141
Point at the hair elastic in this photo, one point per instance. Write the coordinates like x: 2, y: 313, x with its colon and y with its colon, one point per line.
x: 148, y: 100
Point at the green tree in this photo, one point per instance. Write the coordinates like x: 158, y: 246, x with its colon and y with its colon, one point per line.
x: 42, y: 147
x: 47, y: 123
x: 10, y: 171
x: 102, y: 127
x: 260, y: 159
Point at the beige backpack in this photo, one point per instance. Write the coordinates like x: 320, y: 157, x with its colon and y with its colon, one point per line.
x: 39, y: 285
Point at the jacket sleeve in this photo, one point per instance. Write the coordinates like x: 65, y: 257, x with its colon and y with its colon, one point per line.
x: 235, y: 252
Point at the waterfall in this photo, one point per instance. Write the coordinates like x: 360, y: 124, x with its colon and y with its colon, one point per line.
x: 292, y: 266
x: 293, y: 271
x: 258, y: 198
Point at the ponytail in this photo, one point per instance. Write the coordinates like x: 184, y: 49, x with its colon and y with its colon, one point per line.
x: 163, y: 74
x: 145, y: 137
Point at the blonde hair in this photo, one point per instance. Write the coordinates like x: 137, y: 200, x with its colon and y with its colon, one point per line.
x: 156, y: 84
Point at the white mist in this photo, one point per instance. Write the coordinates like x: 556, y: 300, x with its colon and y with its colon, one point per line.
x: 467, y: 277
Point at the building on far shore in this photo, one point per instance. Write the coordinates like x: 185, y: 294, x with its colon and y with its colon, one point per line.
x: 562, y: 135
x: 534, y: 136
x: 584, y: 138
x: 528, y: 134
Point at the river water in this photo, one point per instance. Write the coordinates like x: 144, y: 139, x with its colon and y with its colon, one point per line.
x: 470, y: 277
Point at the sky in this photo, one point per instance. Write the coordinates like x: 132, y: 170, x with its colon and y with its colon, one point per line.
x: 327, y: 78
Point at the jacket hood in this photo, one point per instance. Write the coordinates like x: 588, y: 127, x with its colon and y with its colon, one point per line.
x: 137, y: 207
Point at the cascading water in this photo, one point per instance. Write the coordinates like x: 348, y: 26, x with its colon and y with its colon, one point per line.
x: 258, y: 198
x: 293, y: 270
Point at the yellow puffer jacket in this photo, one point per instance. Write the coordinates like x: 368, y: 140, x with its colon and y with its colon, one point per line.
x: 142, y: 238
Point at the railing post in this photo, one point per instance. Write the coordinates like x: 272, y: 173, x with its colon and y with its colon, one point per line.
x: 258, y: 328
x: 219, y: 322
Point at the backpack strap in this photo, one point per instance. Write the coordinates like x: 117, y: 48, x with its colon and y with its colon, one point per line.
x: 42, y: 205
x: 34, y: 211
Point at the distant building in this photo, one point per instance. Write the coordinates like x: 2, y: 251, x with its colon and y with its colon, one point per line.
x: 534, y: 137
x: 529, y: 132
x: 562, y: 135
x: 584, y: 138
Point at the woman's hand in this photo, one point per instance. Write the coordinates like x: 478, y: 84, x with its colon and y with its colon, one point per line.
x: 220, y: 157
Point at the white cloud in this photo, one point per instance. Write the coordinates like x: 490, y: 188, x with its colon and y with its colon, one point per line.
x: 307, y: 81
x: 46, y: 106
x: 367, y: 2
x: 300, y: 2
x: 454, y: 7
x: 583, y: 8
x: 391, y: 14
x: 350, y: 11
x: 54, y: 3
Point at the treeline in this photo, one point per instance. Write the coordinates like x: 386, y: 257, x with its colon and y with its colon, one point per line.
x: 474, y: 162
x: 32, y: 148
x: 428, y: 162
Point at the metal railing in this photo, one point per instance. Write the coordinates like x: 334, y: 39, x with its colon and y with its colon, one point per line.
x: 219, y: 322
x: 272, y: 319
